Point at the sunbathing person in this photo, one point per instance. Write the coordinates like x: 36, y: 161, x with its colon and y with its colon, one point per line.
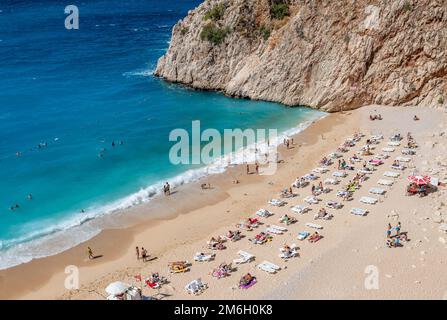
x: 314, y: 237
x: 246, y: 280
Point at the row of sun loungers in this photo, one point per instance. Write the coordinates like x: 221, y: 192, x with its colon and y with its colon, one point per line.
x: 197, y: 286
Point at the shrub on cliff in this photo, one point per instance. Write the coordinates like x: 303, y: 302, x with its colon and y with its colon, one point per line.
x: 214, y: 34
x: 215, y: 13
x: 279, y: 10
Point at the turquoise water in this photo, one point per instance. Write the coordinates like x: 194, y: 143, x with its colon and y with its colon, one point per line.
x: 75, y: 93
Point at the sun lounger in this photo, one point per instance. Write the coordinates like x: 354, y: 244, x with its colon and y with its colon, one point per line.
x: 273, y: 230
x: 311, y: 200
x: 377, y: 191
x: 303, y: 235
x: 334, y: 204
x: 264, y: 213
x: 331, y: 181
x: 399, y: 167
x: 393, y: 143
x: 202, y: 257
x: 244, y: 257
x: 293, y: 252
x: 390, y: 174
x: 310, y: 177
x: 365, y: 171
x: 403, y: 159
x: 376, y: 137
x: 388, y: 149
x: 276, y: 202
x: 299, y: 209
x: 443, y: 227
x: 313, y: 225
x: 196, y: 286
x: 278, y: 228
x: 339, y: 174
x: 368, y: 200
x: 320, y: 170
x: 384, y: 182
x: 408, y: 151
x: 334, y: 155
x: 359, y: 212
x: 382, y: 156
x: 268, y: 267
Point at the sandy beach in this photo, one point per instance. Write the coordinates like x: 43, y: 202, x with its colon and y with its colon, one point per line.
x: 335, y: 267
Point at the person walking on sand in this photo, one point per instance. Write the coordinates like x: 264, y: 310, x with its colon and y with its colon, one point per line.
x: 257, y: 167
x: 137, y: 250
x: 90, y: 253
x: 144, y: 255
x: 398, y: 227
x: 388, y: 232
x: 248, y: 168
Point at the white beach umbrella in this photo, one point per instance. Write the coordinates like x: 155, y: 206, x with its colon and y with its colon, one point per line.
x: 117, y: 288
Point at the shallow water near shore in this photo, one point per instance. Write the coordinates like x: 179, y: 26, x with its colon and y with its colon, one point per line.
x: 68, y: 96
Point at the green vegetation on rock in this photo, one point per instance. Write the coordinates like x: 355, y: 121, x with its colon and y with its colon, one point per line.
x: 214, y: 34
x: 279, y: 9
x: 215, y: 13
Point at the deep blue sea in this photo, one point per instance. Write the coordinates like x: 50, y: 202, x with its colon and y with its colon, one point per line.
x: 74, y: 93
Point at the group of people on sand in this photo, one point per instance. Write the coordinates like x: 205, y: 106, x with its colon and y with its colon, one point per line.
x: 143, y: 255
x: 256, y: 168
x: 395, y: 236
x: 375, y: 117
x: 288, y: 142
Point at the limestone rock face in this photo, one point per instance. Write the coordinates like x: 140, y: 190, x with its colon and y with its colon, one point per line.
x: 329, y: 55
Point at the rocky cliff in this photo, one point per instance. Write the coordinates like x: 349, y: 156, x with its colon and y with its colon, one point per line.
x: 331, y: 55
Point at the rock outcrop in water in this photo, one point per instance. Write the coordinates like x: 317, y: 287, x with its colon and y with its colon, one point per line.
x: 330, y: 55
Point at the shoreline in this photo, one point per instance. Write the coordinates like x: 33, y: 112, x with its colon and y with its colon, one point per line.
x: 130, y: 221
x: 120, y: 214
x: 192, y: 222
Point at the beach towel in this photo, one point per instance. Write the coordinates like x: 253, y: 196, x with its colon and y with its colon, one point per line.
x: 384, y: 182
x: 368, y: 200
x: 359, y: 212
x: 313, y: 225
x: 377, y: 191
x: 390, y: 174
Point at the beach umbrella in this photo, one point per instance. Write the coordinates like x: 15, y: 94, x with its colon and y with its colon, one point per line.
x: 419, y: 180
x: 117, y: 288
